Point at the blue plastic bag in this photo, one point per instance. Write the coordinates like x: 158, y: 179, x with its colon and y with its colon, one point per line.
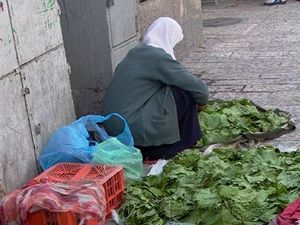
x: 70, y: 143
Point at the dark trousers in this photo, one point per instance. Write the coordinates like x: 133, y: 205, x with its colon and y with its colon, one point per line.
x: 189, y: 129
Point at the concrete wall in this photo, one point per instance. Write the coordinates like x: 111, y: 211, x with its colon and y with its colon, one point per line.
x: 96, y: 38
x: 186, y: 12
x: 35, y: 94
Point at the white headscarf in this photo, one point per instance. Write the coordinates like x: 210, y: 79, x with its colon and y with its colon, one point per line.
x: 164, y: 33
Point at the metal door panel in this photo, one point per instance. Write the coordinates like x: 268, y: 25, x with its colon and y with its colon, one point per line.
x: 122, y: 17
x: 17, y: 159
x: 36, y: 25
x: 120, y: 53
x: 50, y: 102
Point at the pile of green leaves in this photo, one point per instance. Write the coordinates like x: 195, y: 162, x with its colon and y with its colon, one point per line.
x: 224, y: 121
x: 230, y: 186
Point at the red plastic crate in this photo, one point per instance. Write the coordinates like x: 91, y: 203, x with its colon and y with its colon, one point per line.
x: 110, y: 177
x: 52, y: 218
x: 47, y: 218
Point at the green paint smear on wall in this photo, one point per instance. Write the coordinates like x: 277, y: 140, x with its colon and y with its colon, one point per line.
x: 47, y: 6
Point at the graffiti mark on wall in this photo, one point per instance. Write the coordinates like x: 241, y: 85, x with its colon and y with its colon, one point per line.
x: 1, y: 6
x: 16, y: 36
x: 49, y: 24
x: 47, y: 5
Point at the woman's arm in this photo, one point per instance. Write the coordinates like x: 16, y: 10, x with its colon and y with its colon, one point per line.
x: 171, y: 72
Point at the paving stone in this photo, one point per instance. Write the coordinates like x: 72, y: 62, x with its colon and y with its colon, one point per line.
x: 258, y: 59
x: 258, y: 83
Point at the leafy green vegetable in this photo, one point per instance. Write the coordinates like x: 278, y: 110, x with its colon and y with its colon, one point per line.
x: 227, y: 120
x: 230, y: 186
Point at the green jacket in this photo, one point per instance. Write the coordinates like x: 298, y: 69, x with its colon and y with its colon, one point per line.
x: 140, y: 91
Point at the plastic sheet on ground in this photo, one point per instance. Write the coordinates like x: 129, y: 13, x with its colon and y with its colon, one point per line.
x: 158, y: 167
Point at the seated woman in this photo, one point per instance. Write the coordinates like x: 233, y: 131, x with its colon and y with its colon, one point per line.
x: 157, y: 96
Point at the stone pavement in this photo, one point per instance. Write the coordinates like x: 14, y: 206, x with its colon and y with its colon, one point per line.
x: 258, y: 58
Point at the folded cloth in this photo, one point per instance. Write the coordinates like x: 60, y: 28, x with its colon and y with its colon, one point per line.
x: 86, y: 199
